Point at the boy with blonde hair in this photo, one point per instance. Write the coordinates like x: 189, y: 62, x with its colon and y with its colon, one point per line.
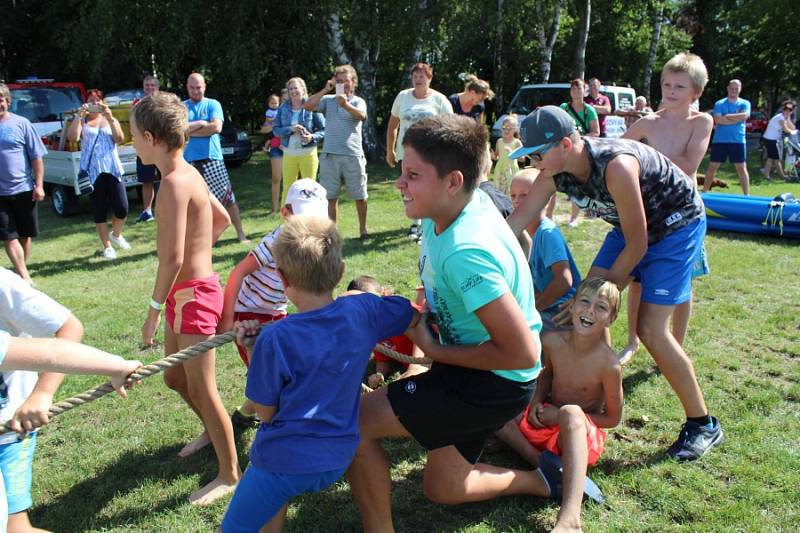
x: 682, y: 134
x: 578, y: 392
x: 305, y: 376
x: 189, y: 221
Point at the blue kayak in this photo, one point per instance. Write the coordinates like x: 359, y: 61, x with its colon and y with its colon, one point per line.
x: 779, y: 216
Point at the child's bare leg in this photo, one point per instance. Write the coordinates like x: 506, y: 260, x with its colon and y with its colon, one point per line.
x: 511, y: 435
x: 275, y: 525
x: 20, y: 523
x: 248, y: 408
x: 277, y: 168
x: 575, y: 453
x: 634, y: 298
x: 202, y: 391
x: 680, y: 320
x: 573, y: 216
x: 670, y: 357
x: 551, y: 206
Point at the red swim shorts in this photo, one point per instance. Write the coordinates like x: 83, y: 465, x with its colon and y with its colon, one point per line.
x: 547, y: 438
x: 194, y: 307
x: 262, y: 318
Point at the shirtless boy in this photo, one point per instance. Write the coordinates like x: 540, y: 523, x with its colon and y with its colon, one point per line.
x: 579, y: 391
x: 682, y: 134
x: 189, y: 222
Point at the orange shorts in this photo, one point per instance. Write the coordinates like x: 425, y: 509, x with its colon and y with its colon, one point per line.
x: 263, y: 318
x: 194, y: 307
x: 547, y: 438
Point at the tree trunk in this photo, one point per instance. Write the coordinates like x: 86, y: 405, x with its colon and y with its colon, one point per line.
x: 651, y: 55
x: 585, y: 16
x: 546, y: 43
x: 415, y: 54
x: 499, y: 103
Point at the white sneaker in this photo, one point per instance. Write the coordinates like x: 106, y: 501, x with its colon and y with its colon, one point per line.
x: 109, y: 253
x: 120, y: 242
x: 573, y: 224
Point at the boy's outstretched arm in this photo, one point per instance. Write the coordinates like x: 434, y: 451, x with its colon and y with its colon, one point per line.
x: 245, y: 267
x: 559, y: 285
x: 220, y: 219
x: 511, y: 343
x: 612, y: 391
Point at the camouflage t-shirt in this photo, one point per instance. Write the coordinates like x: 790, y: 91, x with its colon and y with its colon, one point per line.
x: 671, y: 200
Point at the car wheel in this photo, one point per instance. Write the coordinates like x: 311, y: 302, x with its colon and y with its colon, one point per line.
x: 65, y: 203
x: 234, y: 164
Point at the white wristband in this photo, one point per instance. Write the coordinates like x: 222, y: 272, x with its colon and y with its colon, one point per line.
x: 155, y: 305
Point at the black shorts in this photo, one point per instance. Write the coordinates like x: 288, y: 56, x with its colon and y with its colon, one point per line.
x: 772, y: 149
x: 146, y: 173
x: 18, y: 216
x: 452, y: 405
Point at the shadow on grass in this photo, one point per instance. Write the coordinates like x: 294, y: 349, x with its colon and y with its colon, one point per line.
x: 43, y: 269
x: 631, y: 381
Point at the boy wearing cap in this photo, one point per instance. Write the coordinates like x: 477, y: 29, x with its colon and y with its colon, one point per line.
x: 659, y: 225
x: 255, y: 290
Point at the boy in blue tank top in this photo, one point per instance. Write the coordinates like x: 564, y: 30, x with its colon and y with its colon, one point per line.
x: 305, y: 376
x: 478, y: 287
x: 659, y: 225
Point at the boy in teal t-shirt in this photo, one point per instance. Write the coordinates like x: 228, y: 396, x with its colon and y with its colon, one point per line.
x: 479, y: 288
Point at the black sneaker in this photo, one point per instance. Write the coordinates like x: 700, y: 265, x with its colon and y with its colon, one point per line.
x: 243, y: 421
x: 696, y: 440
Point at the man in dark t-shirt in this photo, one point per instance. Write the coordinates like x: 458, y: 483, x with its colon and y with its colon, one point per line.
x: 659, y: 225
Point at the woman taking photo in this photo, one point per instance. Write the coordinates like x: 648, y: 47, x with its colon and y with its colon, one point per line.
x: 469, y: 102
x: 300, y: 132
x: 411, y: 105
x: 99, y: 133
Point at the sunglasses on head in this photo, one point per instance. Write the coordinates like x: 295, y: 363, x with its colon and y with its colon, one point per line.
x: 788, y: 108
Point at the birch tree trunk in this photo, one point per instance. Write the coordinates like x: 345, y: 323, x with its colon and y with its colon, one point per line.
x: 651, y: 55
x: 585, y: 16
x: 499, y: 103
x: 547, y: 43
x: 415, y: 54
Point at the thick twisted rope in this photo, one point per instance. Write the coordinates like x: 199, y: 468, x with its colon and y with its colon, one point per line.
x: 175, y: 359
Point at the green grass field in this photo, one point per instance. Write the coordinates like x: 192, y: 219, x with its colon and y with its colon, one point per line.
x: 112, y: 465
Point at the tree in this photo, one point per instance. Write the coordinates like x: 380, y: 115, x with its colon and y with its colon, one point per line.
x: 585, y: 16
x: 651, y: 55
x: 546, y: 43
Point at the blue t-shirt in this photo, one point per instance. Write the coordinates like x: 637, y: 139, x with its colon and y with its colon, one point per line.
x: 311, y: 365
x: 731, y: 133
x: 548, y: 248
x: 473, y: 262
x: 19, y: 145
x: 204, y: 147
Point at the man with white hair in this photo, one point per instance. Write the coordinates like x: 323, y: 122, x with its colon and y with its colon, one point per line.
x: 204, y: 150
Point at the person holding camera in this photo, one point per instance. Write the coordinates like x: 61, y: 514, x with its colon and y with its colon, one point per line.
x: 99, y: 133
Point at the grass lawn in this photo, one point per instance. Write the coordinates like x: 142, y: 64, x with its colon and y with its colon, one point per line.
x: 112, y: 466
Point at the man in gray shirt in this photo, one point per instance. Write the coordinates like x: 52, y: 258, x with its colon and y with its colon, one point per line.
x: 342, y: 155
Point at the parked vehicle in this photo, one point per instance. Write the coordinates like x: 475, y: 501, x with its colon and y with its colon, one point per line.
x: 235, y: 141
x: 50, y: 106
x: 757, y: 123
x: 532, y: 95
x: 127, y: 96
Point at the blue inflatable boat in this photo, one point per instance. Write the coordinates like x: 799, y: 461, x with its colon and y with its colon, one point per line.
x: 779, y: 216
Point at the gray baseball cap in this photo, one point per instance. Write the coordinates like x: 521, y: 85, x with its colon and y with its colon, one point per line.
x: 544, y: 126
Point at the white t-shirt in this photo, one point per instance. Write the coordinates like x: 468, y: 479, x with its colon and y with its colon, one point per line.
x: 410, y: 109
x: 774, y: 129
x: 24, y: 312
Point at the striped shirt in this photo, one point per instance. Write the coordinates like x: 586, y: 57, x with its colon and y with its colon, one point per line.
x: 262, y: 290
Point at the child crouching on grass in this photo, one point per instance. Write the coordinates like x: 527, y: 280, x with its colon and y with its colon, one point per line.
x: 305, y: 376
x: 578, y: 392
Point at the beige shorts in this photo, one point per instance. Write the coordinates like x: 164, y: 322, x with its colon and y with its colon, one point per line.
x: 334, y: 167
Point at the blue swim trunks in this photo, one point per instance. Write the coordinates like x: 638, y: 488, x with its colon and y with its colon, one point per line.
x: 261, y: 494
x: 16, y: 460
x: 665, y: 271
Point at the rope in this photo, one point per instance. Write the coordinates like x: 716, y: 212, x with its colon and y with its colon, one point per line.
x: 775, y: 215
x: 174, y: 360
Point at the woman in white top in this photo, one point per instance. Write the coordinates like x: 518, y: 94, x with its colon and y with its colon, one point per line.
x: 778, y: 126
x: 100, y: 133
x: 411, y: 105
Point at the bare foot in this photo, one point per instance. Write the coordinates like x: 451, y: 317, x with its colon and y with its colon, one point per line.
x: 563, y: 528
x: 211, y: 492
x: 628, y: 352
x: 195, y: 446
x: 243, y: 239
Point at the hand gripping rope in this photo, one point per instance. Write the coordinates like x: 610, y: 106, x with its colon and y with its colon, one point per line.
x: 177, y: 358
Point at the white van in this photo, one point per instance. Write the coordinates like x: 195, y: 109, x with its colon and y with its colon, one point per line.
x: 532, y: 95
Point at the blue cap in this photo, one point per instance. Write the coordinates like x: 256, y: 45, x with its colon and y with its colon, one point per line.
x: 544, y: 126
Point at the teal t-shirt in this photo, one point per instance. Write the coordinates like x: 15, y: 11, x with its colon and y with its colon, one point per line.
x: 199, y: 148
x: 470, y: 264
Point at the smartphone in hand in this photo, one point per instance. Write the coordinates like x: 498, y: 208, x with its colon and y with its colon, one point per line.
x: 339, y: 89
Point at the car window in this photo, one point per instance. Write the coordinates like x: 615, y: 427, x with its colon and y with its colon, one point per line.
x: 45, y: 104
x: 528, y: 99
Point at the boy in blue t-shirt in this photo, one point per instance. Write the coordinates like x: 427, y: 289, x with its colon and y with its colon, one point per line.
x: 305, y: 375
x: 478, y: 287
x: 555, y: 274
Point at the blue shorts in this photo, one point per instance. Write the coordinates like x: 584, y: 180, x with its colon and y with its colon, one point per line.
x: 736, y: 152
x: 700, y: 264
x: 665, y: 271
x: 16, y: 459
x: 261, y: 494
x: 146, y: 173
x: 275, y: 153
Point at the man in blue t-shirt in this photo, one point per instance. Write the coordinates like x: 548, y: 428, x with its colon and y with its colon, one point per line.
x: 21, y: 183
x: 204, y: 150
x: 729, y: 142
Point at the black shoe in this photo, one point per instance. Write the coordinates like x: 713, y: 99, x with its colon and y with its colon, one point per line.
x: 243, y: 421
x: 696, y: 440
